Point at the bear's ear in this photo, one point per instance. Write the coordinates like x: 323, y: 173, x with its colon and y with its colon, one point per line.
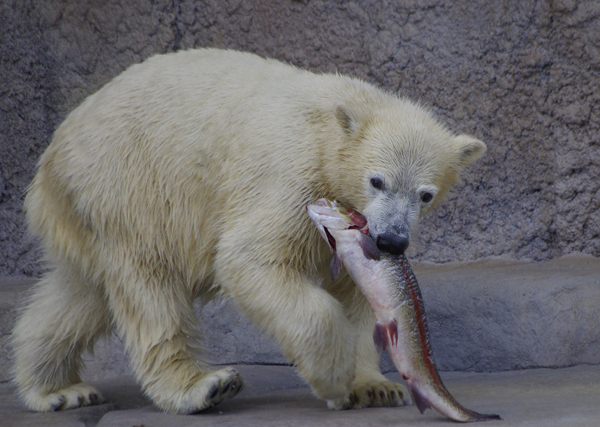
x: 348, y: 119
x: 469, y: 149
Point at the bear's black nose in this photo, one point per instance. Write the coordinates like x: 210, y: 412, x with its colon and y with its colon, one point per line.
x: 392, y: 243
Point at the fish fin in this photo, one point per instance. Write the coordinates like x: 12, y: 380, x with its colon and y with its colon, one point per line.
x: 380, y: 337
x: 421, y: 402
x: 335, y: 266
x: 369, y: 247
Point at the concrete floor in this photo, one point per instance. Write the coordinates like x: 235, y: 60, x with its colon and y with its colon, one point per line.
x: 275, y: 396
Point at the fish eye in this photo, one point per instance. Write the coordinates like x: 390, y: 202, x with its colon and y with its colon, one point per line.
x: 426, y: 197
x: 377, y: 183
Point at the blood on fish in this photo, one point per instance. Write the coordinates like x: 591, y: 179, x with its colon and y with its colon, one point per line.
x: 330, y: 238
x: 392, y: 329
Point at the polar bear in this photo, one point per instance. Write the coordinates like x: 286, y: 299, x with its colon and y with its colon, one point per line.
x: 187, y: 177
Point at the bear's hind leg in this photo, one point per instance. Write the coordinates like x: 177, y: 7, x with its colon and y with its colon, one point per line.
x: 156, y: 319
x: 63, y: 317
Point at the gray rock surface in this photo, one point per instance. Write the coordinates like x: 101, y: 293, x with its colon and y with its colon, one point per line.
x: 491, y: 315
x: 523, y: 76
x: 274, y: 396
x: 501, y: 315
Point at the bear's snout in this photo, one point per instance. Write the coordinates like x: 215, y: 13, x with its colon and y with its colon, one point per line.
x: 392, y: 243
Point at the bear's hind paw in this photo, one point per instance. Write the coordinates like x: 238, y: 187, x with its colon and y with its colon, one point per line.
x: 74, y: 396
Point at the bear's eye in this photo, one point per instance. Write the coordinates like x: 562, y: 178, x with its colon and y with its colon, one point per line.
x: 377, y: 183
x: 426, y: 197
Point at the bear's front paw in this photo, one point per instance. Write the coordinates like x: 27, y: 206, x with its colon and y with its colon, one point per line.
x: 227, y: 386
x: 211, y: 390
x: 70, y: 397
x: 373, y: 394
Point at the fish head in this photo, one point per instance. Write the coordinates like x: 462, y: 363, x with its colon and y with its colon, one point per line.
x: 331, y: 216
x: 336, y: 221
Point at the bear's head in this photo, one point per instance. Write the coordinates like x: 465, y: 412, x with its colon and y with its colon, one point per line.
x: 397, y: 162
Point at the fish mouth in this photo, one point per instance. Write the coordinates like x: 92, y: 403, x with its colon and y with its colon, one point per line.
x: 326, y: 215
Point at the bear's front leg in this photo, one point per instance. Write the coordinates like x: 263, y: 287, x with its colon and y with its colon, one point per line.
x: 155, y: 317
x: 307, y: 322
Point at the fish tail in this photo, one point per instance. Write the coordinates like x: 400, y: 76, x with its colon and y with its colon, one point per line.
x: 451, y: 408
x: 488, y: 417
x: 474, y: 417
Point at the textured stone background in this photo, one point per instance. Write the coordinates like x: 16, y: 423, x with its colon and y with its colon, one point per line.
x: 522, y: 75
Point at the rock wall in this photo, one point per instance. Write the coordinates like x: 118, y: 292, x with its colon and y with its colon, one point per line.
x: 521, y: 75
x: 484, y: 316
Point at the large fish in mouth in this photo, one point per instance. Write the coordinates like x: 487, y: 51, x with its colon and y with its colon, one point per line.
x: 389, y: 284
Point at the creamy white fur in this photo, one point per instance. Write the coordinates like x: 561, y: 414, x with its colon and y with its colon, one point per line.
x: 187, y: 176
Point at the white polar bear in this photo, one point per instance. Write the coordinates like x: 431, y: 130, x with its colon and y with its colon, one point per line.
x: 187, y: 176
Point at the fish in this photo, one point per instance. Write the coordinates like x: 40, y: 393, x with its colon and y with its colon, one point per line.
x: 391, y: 287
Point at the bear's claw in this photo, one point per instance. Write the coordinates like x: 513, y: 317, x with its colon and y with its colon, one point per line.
x: 373, y: 394
x: 74, y: 396
x: 226, y: 388
x: 220, y: 385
